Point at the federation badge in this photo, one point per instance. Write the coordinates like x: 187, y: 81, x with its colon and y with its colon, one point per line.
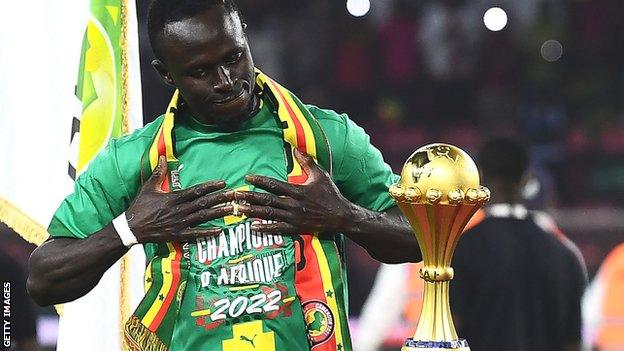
x: 319, y: 321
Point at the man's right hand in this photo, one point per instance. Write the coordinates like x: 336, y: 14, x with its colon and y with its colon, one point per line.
x: 64, y: 269
x: 156, y: 216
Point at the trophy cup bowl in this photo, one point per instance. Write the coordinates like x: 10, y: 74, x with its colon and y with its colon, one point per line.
x: 438, y: 192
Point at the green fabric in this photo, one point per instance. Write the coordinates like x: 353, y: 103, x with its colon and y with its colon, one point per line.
x: 107, y: 188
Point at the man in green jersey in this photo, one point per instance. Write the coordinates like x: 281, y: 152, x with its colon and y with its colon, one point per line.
x: 256, y: 238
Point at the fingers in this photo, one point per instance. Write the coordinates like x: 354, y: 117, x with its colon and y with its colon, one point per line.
x: 264, y: 199
x: 193, y: 233
x: 198, y: 190
x: 207, y: 201
x: 309, y: 165
x: 274, y: 186
x: 207, y: 214
x: 275, y: 227
x: 305, y: 160
x: 264, y: 212
x: 210, y: 200
x: 158, y: 175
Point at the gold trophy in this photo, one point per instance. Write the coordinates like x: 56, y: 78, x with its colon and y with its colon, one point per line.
x: 438, y: 192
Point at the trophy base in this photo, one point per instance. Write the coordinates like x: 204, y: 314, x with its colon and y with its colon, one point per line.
x: 455, y: 345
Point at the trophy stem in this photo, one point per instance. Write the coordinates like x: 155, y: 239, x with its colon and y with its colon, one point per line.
x: 436, y: 322
x: 435, y: 331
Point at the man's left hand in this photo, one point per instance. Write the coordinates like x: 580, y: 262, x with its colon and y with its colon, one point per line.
x: 314, y: 206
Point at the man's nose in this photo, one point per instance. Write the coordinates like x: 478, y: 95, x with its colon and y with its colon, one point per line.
x: 223, y: 82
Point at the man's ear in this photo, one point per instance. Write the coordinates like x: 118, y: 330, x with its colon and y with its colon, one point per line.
x: 162, y: 71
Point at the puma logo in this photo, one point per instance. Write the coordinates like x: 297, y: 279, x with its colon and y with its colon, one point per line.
x: 251, y: 341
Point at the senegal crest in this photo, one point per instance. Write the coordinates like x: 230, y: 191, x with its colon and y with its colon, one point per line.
x: 319, y: 321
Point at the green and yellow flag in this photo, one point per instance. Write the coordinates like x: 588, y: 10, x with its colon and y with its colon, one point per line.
x: 44, y: 108
x: 102, y: 76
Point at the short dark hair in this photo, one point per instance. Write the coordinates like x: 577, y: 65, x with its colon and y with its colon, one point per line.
x: 163, y: 12
x: 503, y: 158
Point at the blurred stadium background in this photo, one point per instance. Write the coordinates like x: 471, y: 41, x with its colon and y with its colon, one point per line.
x: 415, y: 71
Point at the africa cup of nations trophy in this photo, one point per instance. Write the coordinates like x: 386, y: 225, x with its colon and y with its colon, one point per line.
x: 438, y: 192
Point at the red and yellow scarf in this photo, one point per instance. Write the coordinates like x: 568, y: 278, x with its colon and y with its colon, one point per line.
x: 320, y: 280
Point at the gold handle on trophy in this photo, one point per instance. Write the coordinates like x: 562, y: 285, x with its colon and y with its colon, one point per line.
x: 438, y: 192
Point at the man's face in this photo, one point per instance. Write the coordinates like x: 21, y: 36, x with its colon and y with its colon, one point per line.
x: 207, y: 58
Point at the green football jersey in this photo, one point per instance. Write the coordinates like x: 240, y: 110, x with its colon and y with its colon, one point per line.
x: 240, y: 293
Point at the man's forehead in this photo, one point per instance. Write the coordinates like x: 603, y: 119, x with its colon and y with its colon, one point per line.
x: 211, y: 25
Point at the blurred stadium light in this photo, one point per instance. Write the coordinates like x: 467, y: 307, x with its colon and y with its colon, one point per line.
x: 358, y: 8
x: 495, y: 19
